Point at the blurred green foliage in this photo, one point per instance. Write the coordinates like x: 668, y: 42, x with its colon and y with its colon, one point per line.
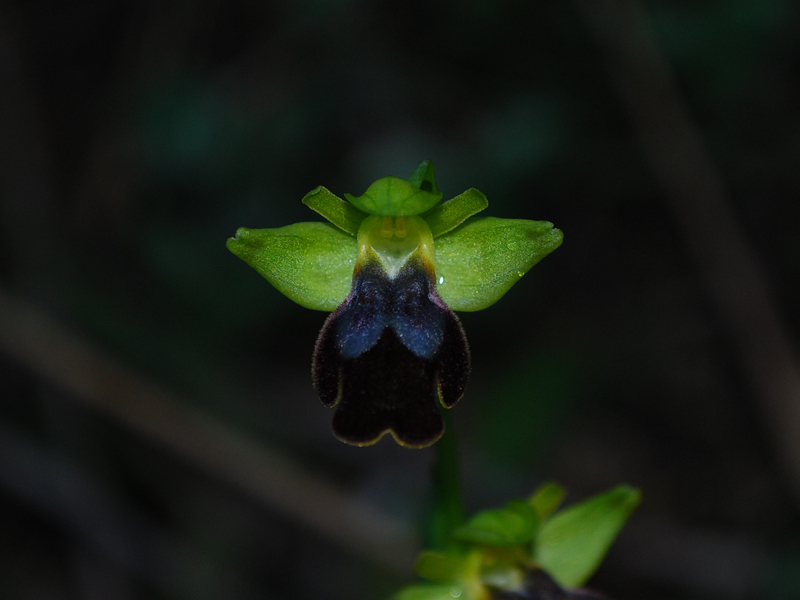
x: 496, y: 548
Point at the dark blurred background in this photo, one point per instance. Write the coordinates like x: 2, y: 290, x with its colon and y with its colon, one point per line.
x: 159, y: 436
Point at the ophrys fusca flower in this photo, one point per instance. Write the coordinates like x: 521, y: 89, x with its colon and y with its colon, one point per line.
x: 393, y: 265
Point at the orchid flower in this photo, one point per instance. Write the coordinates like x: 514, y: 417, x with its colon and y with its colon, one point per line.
x: 392, y: 265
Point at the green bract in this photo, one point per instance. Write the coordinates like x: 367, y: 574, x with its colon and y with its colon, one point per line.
x: 424, y: 178
x: 526, y: 544
x: 547, y: 499
x: 513, y: 525
x: 572, y: 542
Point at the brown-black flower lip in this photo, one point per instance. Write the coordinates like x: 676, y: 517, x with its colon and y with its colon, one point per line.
x: 390, y: 355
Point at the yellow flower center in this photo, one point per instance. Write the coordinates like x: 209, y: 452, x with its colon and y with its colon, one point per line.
x: 394, y: 241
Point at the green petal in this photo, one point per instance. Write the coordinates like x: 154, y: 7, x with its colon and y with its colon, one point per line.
x: 342, y: 214
x: 513, y: 525
x: 480, y: 260
x: 573, y: 542
x: 547, y: 499
x: 311, y: 263
x: 424, y: 178
x: 449, y: 215
x: 394, y: 197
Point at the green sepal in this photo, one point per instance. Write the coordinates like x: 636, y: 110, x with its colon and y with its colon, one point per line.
x: 439, y: 567
x: 310, y: 263
x: 480, y: 260
x: 424, y: 178
x: 547, y: 499
x: 427, y: 591
x: 449, y: 215
x: 394, y: 197
x: 513, y: 525
x: 572, y: 543
x: 342, y: 214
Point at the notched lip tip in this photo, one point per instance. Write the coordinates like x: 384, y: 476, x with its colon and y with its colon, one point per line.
x: 359, y: 443
x: 417, y: 446
x: 404, y: 444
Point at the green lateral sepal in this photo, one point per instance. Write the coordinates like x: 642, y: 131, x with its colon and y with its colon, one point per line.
x: 478, y: 262
x: 424, y: 178
x: 394, y: 197
x: 513, y: 525
x: 572, y: 543
x: 342, y: 214
x: 310, y: 263
x: 449, y: 215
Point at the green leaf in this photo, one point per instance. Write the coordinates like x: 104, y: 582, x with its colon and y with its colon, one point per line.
x: 424, y: 178
x: 480, y: 260
x: 394, y: 197
x: 342, y: 214
x: 547, y: 499
x: 449, y: 215
x: 573, y: 542
x: 311, y: 263
x: 428, y: 591
x: 513, y: 525
x: 439, y: 567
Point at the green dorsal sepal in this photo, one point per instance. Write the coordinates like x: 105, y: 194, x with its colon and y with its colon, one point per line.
x: 395, y: 197
x: 342, y: 214
x: 449, y: 215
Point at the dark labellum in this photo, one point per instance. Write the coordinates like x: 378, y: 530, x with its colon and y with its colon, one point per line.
x: 389, y: 356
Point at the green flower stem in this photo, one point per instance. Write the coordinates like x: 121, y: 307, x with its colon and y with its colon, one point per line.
x: 448, y: 507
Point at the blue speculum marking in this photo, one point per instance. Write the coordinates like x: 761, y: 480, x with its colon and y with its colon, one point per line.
x: 402, y: 303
